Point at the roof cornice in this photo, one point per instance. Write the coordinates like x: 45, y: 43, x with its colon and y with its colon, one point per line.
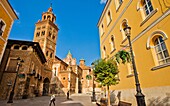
x: 104, y: 11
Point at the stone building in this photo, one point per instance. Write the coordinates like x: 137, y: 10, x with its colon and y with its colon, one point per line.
x: 72, y: 76
x: 87, y: 84
x: 32, y: 79
x: 7, y: 17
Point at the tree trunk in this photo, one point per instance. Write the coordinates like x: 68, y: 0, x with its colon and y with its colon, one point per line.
x: 108, y: 97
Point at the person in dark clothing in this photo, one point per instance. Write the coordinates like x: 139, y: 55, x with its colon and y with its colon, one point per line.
x: 68, y: 95
x: 52, y: 100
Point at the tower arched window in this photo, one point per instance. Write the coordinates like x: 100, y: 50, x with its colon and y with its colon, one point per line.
x: 52, y: 19
x: 49, y: 34
x: 44, y: 17
x: 53, y: 37
x: 37, y: 34
x: 43, y: 33
x: 47, y: 53
x: 49, y: 17
x: 51, y: 55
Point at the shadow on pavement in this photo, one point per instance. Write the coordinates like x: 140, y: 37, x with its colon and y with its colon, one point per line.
x: 72, y: 104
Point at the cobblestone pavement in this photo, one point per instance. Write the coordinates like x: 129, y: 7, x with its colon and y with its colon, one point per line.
x: 75, y: 100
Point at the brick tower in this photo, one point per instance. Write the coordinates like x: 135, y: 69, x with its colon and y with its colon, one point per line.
x: 46, y: 33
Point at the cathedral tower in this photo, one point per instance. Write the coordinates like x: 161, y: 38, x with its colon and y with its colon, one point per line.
x: 46, y: 33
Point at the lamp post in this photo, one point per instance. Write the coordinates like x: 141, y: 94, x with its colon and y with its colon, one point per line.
x: 139, y: 96
x: 93, y: 93
x: 10, y: 100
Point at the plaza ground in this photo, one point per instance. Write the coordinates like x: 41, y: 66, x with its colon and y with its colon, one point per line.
x: 75, y: 100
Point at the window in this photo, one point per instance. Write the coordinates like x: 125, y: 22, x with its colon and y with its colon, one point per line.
x: 53, y: 37
x: 2, y: 26
x: 51, y: 55
x: 16, y: 47
x: 49, y: 17
x: 24, y: 48
x: 49, y: 34
x: 38, y: 34
x: 47, y: 53
x: 43, y: 27
x: 112, y: 43
x: 43, y: 33
x: 102, y: 29
x: 122, y: 26
x: 161, y: 51
x: 44, y: 17
x: 118, y: 3
x: 147, y: 6
x: 104, y: 52
x: 109, y: 18
x: 38, y: 28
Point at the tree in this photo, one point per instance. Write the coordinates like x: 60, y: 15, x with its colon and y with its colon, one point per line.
x: 122, y: 56
x: 106, y: 71
x: 88, y: 77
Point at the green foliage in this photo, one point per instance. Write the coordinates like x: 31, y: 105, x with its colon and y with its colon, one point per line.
x: 88, y: 77
x: 123, y: 56
x: 105, y: 72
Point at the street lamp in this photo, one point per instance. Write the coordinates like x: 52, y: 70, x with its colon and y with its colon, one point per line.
x: 139, y: 96
x: 10, y: 100
x: 93, y: 93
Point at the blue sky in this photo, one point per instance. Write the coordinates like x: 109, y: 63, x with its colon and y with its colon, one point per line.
x: 77, y: 21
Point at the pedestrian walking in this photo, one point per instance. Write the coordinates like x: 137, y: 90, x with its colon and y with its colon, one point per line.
x: 68, y: 95
x: 52, y: 100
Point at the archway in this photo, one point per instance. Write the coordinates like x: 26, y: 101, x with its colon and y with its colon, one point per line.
x: 46, y: 85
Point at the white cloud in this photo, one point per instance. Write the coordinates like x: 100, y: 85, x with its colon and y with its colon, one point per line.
x: 103, y: 1
x: 17, y: 13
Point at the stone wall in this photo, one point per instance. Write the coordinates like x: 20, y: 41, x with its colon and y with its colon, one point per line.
x: 155, y: 96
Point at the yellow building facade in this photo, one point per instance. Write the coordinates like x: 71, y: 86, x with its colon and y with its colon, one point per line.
x: 7, y: 17
x: 149, y: 21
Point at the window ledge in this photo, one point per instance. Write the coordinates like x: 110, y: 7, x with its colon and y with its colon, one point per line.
x: 149, y: 16
x: 160, y: 66
x: 130, y: 75
x: 112, y: 51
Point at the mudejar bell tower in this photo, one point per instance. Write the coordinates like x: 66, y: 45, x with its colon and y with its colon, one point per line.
x: 46, y: 33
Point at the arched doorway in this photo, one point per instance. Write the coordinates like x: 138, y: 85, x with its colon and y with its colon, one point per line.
x: 46, y: 85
